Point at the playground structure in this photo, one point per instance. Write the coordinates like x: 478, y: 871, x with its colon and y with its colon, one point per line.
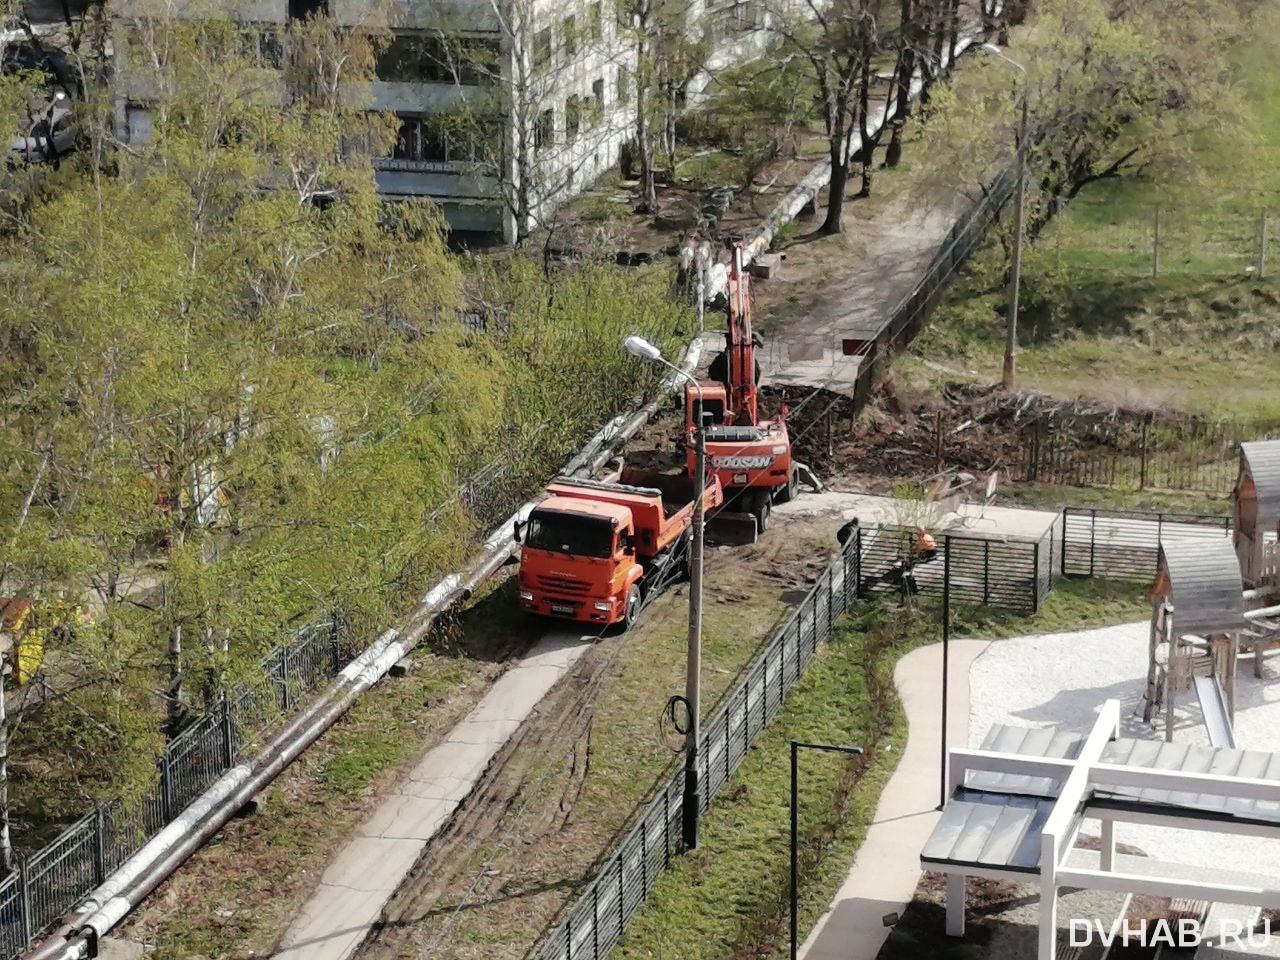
x: 1197, y: 625
x: 1256, y: 513
x: 1016, y: 805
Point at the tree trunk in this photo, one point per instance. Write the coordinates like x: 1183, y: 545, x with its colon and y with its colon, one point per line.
x: 835, y: 191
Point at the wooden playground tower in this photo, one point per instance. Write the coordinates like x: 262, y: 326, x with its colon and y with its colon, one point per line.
x: 1197, y: 620
x: 1213, y: 600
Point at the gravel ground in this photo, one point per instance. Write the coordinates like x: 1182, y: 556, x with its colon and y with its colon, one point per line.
x: 1062, y: 679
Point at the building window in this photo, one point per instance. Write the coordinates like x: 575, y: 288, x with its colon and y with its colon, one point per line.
x: 421, y: 139
x: 569, y: 31
x: 572, y: 118
x: 542, y: 49
x: 423, y: 58
x: 597, y: 96
x: 418, y: 141
x: 544, y: 131
x: 301, y: 9
x: 263, y: 46
x: 624, y: 86
x: 594, y: 24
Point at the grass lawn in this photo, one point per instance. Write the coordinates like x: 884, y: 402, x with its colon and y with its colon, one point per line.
x: 729, y: 899
x: 1094, y: 323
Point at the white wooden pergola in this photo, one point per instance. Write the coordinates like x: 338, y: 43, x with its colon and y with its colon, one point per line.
x: 1015, y: 815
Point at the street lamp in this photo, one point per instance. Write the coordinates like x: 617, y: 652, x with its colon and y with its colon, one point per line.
x: 692, y: 802
x: 1015, y: 280
x: 796, y: 747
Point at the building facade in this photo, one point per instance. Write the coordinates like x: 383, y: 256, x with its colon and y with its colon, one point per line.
x: 507, y: 108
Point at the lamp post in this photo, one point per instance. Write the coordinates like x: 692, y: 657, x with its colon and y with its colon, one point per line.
x: 796, y: 747
x: 692, y: 801
x: 1015, y: 270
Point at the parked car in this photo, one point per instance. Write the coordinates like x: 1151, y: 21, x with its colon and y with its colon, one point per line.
x: 48, y: 139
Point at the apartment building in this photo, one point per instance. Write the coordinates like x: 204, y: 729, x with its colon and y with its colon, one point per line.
x: 507, y: 108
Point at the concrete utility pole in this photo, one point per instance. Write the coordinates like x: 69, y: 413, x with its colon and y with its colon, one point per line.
x: 1015, y: 267
x: 692, y: 800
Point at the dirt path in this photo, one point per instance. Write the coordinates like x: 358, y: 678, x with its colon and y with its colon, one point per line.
x: 499, y: 874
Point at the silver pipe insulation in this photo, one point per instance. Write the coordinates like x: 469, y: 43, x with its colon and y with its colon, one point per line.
x: 112, y: 901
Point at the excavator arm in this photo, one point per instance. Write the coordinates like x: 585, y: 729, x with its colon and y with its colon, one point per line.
x: 740, y: 348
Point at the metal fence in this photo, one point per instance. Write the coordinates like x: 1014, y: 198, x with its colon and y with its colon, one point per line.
x: 1007, y: 573
x: 1125, y: 544
x: 593, y: 924
x: 1148, y: 239
x: 1013, y: 574
x: 1136, y: 452
x: 52, y: 881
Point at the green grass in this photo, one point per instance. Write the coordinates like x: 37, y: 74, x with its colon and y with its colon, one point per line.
x: 1048, y: 496
x: 729, y: 899
x: 1094, y: 323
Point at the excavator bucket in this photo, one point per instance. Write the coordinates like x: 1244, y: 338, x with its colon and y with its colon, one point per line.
x: 728, y: 528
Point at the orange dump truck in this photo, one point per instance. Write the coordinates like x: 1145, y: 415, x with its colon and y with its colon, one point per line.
x: 596, y: 552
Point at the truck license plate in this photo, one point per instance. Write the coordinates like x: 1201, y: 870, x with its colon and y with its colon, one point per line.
x: 562, y: 608
x: 740, y: 478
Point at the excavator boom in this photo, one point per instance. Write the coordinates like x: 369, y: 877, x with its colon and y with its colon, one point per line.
x: 741, y: 348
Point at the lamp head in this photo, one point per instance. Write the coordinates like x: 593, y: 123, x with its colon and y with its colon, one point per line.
x: 641, y: 348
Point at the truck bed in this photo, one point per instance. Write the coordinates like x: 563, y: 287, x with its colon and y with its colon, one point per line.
x: 660, y: 503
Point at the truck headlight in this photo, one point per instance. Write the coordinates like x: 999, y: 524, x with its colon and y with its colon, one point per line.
x: 603, y: 606
x: 526, y: 595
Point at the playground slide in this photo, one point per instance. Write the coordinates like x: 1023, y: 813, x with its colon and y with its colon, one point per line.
x: 1213, y: 704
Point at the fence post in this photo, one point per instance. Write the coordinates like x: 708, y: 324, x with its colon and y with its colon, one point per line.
x: 100, y: 846
x: 644, y: 858
x: 287, y: 701
x: 228, y: 731
x: 1035, y: 577
x: 28, y: 928
x: 166, y: 787
x: 622, y: 907
x: 1155, y: 245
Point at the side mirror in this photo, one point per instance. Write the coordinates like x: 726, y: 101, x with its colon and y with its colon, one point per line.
x: 515, y: 533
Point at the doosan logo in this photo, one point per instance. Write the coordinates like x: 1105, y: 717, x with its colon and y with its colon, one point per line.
x: 740, y: 463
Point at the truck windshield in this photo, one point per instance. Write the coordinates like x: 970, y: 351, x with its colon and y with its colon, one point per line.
x: 568, y: 533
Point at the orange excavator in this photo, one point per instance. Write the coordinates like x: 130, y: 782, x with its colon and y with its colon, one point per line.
x: 750, y: 455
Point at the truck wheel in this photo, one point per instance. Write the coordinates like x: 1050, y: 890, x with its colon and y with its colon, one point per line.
x: 631, y: 613
x: 763, y: 505
x: 787, y: 492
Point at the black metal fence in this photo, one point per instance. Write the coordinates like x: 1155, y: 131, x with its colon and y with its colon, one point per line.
x: 1125, y: 544
x: 1013, y: 574
x: 1136, y: 452
x: 51, y: 882
x: 999, y: 572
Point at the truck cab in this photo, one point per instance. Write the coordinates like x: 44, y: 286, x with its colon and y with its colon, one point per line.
x: 578, y: 560
x: 594, y: 551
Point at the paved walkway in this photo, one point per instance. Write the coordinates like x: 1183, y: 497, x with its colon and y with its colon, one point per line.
x: 361, y: 879
x: 884, y: 876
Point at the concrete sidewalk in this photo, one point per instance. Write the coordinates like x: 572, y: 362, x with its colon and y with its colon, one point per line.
x: 359, y: 881
x: 885, y: 873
